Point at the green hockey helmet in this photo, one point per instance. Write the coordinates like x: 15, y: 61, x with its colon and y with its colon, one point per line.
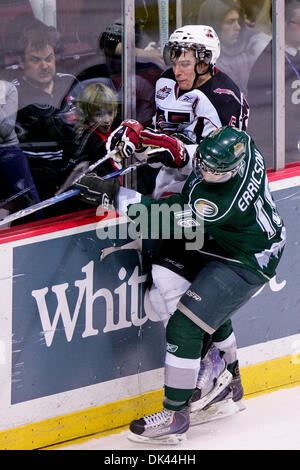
x: 221, y: 152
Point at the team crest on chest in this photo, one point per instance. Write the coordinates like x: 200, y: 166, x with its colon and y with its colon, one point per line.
x: 163, y: 93
x: 205, y: 209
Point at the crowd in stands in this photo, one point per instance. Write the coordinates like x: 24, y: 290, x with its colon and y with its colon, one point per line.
x: 54, y: 123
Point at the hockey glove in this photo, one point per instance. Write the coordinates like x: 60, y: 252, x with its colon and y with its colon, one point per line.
x: 170, y: 151
x: 96, y: 191
x: 126, y: 138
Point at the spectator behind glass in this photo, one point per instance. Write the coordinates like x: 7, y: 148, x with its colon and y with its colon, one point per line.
x: 147, y: 69
x: 46, y: 135
x: 96, y: 109
x: 17, y: 186
x: 240, y: 46
x: 260, y: 92
x: 258, y: 16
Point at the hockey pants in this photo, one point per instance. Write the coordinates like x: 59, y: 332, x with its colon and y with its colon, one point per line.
x: 167, y: 289
x: 205, y: 307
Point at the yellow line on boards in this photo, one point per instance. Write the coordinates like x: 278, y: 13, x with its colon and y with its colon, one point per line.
x: 114, y: 417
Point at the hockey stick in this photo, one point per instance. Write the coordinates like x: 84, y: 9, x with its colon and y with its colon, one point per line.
x: 57, y: 198
x: 11, y: 198
x: 124, y: 171
x: 90, y: 168
x: 94, y: 165
x: 38, y: 206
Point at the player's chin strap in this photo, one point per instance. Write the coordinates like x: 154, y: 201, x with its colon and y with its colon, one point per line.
x: 197, y: 74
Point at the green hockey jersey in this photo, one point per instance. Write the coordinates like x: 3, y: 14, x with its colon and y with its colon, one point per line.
x: 240, y: 219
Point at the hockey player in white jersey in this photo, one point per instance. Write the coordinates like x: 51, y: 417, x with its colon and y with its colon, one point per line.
x: 193, y: 98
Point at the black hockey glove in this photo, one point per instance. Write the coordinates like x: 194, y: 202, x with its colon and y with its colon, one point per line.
x: 170, y: 151
x: 96, y: 191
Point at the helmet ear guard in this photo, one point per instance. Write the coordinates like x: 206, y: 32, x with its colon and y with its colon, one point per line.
x: 204, y: 55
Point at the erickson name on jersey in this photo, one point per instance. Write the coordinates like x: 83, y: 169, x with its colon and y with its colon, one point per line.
x: 239, y: 216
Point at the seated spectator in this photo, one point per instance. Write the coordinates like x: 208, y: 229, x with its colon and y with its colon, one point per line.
x: 146, y: 51
x: 240, y: 45
x: 260, y: 92
x: 17, y: 187
x: 96, y: 107
x: 148, y: 69
x: 44, y: 132
x: 14, y: 30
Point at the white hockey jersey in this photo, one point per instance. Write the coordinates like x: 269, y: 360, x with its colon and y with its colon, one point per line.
x: 185, y: 113
x: 195, y: 113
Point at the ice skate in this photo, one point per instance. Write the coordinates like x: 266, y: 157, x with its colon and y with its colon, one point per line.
x: 236, y: 385
x: 164, y: 427
x: 218, y: 393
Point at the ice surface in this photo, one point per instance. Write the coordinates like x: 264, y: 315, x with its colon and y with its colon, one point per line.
x: 270, y: 422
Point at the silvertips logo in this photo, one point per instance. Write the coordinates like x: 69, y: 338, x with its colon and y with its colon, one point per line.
x: 205, y: 209
x: 172, y: 348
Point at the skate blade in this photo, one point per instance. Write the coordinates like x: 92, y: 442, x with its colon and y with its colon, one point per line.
x: 216, y: 411
x: 223, y: 380
x: 171, y: 439
x: 241, y: 405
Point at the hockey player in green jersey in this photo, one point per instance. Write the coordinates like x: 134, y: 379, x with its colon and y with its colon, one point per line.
x: 193, y: 98
x: 227, y: 193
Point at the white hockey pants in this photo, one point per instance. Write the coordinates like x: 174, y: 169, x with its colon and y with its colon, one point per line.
x: 164, y: 295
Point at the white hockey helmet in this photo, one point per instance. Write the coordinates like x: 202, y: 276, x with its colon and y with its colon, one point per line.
x: 202, y: 39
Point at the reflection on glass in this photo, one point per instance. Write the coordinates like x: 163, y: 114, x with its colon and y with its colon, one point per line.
x: 241, y: 42
x: 292, y: 82
x: 47, y: 67
x: 260, y: 92
x: 51, y: 61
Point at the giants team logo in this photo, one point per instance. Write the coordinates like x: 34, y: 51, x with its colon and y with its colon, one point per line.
x: 209, y: 33
x: 205, y: 209
x: 163, y: 93
x: 239, y: 149
x: 225, y: 91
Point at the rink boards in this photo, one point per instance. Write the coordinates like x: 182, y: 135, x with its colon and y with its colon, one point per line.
x: 81, y: 351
